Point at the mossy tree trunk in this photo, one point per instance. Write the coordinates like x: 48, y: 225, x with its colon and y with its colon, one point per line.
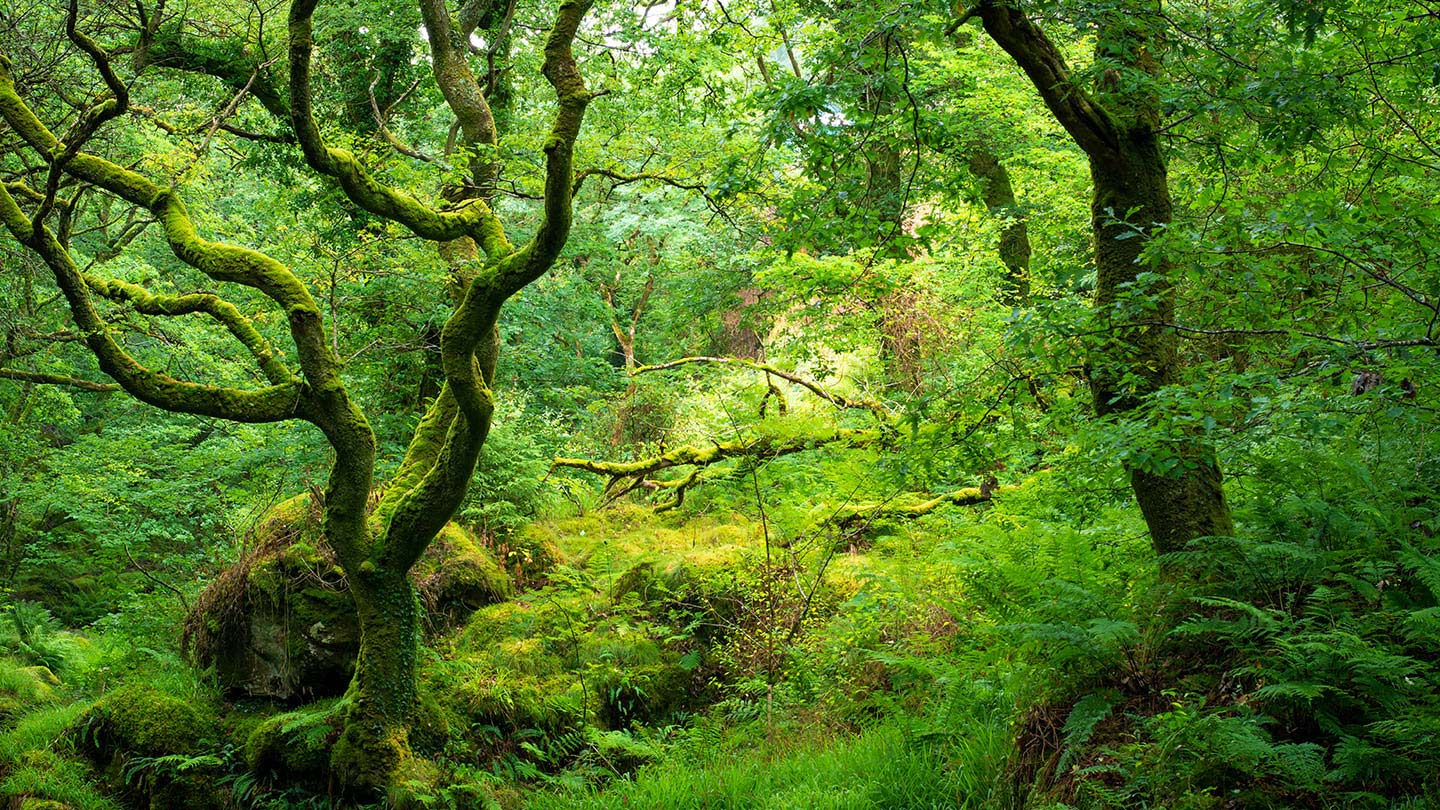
x: 1118, y: 129
x: 1143, y: 359
x: 998, y: 194
x: 382, y: 690
x: 376, y: 547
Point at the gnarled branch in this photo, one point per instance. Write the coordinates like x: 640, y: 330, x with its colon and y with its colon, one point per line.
x: 626, y: 476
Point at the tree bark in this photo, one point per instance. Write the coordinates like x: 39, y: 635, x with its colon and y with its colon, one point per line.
x: 382, y: 691
x: 1118, y: 131
x: 1131, y: 192
x: 999, y: 198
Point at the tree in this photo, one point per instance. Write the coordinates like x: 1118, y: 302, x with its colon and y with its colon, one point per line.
x: 377, y: 532
x: 1117, y: 123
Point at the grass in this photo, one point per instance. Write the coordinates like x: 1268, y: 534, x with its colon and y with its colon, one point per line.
x: 883, y: 767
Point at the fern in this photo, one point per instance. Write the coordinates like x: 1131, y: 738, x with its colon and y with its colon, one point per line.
x: 1088, y: 712
x: 1425, y: 568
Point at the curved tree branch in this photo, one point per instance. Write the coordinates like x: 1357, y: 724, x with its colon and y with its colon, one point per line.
x: 42, y: 378
x: 839, y: 401
x: 1086, y: 121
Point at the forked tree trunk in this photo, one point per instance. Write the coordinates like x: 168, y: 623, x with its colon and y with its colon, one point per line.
x: 1118, y: 131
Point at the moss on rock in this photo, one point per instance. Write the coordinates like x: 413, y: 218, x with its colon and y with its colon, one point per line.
x: 294, y: 747
x: 456, y: 576
x: 138, y: 720
x: 281, y: 623
x: 136, y: 723
x: 23, y: 689
x: 43, y: 804
x: 643, y: 693
x: 367, y: 762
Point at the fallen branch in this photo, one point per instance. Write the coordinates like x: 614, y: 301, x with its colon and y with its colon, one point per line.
x: 909, y: 509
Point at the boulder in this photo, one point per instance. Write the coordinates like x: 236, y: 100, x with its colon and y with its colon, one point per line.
x: 280, y: 622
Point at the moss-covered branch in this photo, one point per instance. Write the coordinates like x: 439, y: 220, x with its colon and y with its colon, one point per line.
x: 914, y: 505
x: 41, y: 378
x: 239, y: 326
x: 320, y: 397
x: 563, y: 74
x: 450, y: 64
x: 270, y: 404
x: 626, y: 476
x: 220, y: 261
x: 838, y: 400
x: 473, y: 219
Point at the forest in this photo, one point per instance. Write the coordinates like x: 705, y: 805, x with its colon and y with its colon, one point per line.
x: 719, y: 404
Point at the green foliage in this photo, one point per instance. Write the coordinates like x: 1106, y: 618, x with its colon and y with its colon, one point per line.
x: 815, y: 208
x: 880, y: 768
x: 32, y: 635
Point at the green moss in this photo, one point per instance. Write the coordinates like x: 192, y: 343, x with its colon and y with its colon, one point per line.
x: 137, y: 720
x: 282, y: 622
x: 45, y: 780
x: 43, y: 804
x: 431, y: 726
x: 23, y: 689
x: 510, y: 704
x: 529, y: 552
x: 366, y: 760
x: 414, y: 784
x: 639, y: 579
x: 294, y: 747
x: 456, y: 575
x: 645, y: 693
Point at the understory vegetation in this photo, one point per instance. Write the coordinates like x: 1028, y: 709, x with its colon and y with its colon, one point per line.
x: 571, y: 405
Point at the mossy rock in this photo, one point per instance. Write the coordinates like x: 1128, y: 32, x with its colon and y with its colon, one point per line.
x: 23, y: 689
x: 195, y: 788
x: 414, y: 784
x: 294, y: 748
x: 529, y: 552
x: 138, y: 720
x: 639, y: 579
x: 637, y: 694
x: 457, y: 576
x: 367, y: 764
x: 280, y: 622
x: 509, y: 704
x: 43, y: 804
